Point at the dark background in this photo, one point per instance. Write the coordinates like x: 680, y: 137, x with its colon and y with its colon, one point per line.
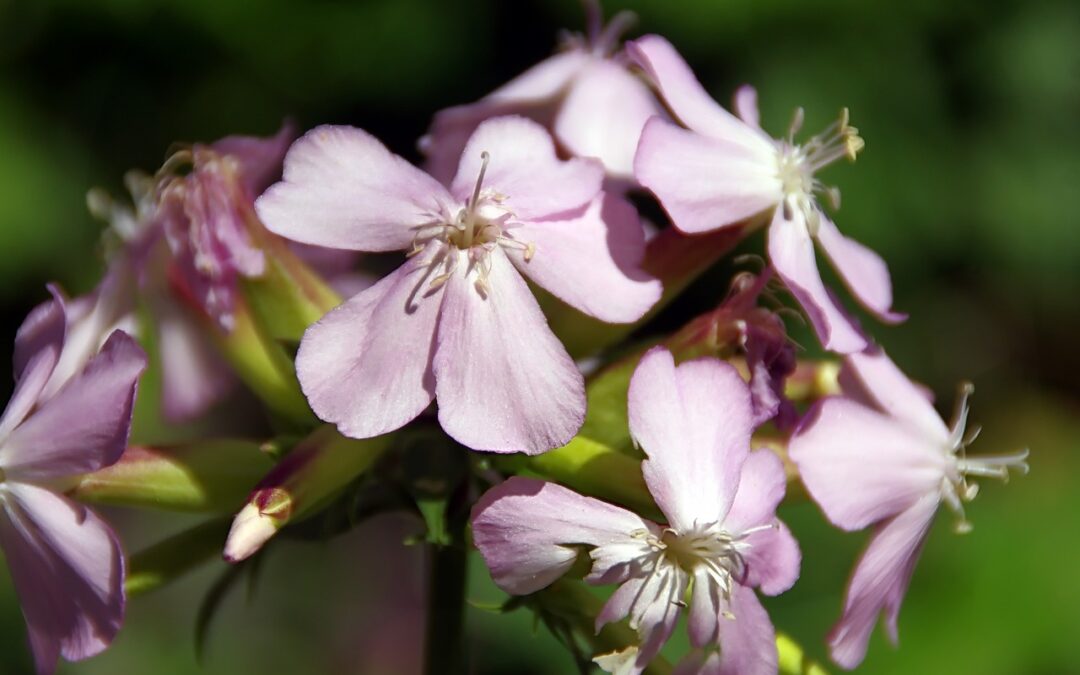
x: 967, y: 186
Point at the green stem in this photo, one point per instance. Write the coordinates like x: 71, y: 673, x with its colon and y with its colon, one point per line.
x: 444, y: 653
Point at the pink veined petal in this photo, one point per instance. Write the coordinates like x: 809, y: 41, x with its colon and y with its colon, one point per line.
x: 861, y: 466
x: 592, y: 262
x: 504, y: 382
x: 773, y: 557
x: 688, y: 100
x: 524, y: 168
x: 747, y: 642
x: 880, y: 581
x: 38, y: 346
x: 746, y: 106
x: 703, y: 184
x: 85, y: 426
x: 791, y: 250
x: 528, y: 531
x: 68, y: 571
x: 342, y: 188
x: 603, y: 113
x: 260, y: 158
x: 366, y: 365
x: 693, y: 422
x: 653, y: 604
x: 193, y: 375
x: 891, y: 390
x: 863, y: 271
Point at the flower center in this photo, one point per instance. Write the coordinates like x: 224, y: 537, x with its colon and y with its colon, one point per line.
x: 797, y: 164
x: 955, y: 488
x: 480, y: 225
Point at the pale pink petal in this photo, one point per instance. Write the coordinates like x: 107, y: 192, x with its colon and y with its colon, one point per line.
x: 747, y: 641
x: 603, y: 113
x: 545, y: 80
x: 591, y: 262
x: 704, y: 623
x: 366, y: 365
x: 85, y: 426
x: 891, y: 390
x: 703, y: 184
x: 38, y: 346
x: 530, y: 532
x: 504, y: 382
x: 861, y: 466
x: 773, y: 557
x: 524, y: 168
x: 746, y: 106
x: 68, y: 570
x: 863, y: 271
x: 342, y: 188
x: 193, y: 376
x: 260, y: 158
x: 880, y: 581
x: 791, y: 251
x: 693, y: 422
x: 653, y: 604
x: 688, y: 100
x: 535, y: 94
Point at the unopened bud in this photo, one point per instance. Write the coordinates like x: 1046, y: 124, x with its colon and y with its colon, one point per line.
x: 266, y: 513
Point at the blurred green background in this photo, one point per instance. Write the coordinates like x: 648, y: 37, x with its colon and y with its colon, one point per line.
x: 971, y: 112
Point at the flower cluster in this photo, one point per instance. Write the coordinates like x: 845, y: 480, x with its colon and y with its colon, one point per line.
x: 654, y: 464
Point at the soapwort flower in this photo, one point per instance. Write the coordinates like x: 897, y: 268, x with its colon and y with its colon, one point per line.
x: 65, y: 561
x: 456, y: 321
x: 721, y: 169
x: 585, y: 95
x: 882, y: 455
x: 722, y: 538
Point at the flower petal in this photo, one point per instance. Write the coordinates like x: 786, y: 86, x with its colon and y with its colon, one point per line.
x: 533, y: 94
x: 863, y: 271
x: 880, y: 581
x: 342, y: 188
x: 85, y: 426
x: 527, y: 530
x: 366, y: 365
x: 889, y: 388
x: 791, y: 250
x: 773, y: 557
x: 704, y: 622
x: 703, y: 183
x: 861, y: 466
x: 592, y: 262
x: 689, y: 101
x: 524, y: 168
x: 653, y: 604
x: 504, y: 382
x: 693, y: 422
x: 68, y: 570
x: 39, y: 343
x: 193, y: 376
x: 748, y: 641
x: 603, y: 113
x: 260, y: 158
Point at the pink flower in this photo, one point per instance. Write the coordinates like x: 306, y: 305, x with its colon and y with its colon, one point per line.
x: 65, y: 562
x: 882, y: 455
x: 584, y: 95
x: 722, y: 169
x: 457, y: 322
x: 722, y: 538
